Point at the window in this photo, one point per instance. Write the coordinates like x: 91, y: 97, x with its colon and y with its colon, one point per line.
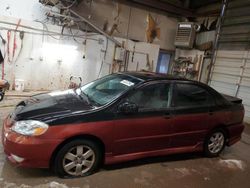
x: 155, y: 96
x: 163, y: 62
x: 106, y: 89
x: 188, y: 95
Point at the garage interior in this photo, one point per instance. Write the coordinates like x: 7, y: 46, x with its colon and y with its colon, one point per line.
x: 49, y: 45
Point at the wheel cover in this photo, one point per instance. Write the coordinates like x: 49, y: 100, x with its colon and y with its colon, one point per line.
x: 216, y: 142
x: 78, y: 160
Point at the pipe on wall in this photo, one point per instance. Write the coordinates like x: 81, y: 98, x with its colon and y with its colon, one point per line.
x: 216, y: 41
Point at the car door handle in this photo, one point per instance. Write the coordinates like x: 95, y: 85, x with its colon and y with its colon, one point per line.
x: 167, y: 116
x: 211, y: 112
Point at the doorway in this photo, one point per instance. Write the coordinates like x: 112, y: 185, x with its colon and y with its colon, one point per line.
x: 163, y: 62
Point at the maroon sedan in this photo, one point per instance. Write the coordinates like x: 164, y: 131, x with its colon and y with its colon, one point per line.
x: 117, y: 118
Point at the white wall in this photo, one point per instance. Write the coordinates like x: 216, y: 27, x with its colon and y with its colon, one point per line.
x: 167, y: 25
x: 25, y: 9
x: 51, y: 69
x: 139, y: 52
x: 102, y: 10
x: 48, y: 70
x: 132, y: 26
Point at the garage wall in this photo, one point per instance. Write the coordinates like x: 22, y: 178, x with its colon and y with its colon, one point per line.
x: 44, y: 67
x: 49, y: 68
x: 231, y: 71
x: 132, y: 21
x: 25, y: 9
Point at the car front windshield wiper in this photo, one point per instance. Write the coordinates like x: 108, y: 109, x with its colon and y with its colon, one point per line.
x: 89, y: 99
x: 93, y: 101
x: 83, y: 95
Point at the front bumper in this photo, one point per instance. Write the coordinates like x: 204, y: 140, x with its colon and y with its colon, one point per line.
x: 27, y: 151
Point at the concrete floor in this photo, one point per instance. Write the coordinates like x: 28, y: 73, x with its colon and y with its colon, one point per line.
x: 231, y: 169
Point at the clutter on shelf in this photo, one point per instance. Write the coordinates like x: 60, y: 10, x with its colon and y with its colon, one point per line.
x: 186, y: 67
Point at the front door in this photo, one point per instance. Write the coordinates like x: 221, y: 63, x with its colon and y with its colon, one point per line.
x: 150, y: 128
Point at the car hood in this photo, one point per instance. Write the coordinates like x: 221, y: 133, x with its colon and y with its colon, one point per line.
x: 49, y: 106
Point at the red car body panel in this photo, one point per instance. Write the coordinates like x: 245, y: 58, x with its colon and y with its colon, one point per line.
x: 37, y: 151
x: 124, y: 136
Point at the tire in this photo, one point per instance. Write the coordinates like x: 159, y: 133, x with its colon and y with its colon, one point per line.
x: 1, y: 96
x: 77, y: 158
x: 215, y: 143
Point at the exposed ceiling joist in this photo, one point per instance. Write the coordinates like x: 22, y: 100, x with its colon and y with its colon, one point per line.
x: 163, y: 6
x: 96, y: 28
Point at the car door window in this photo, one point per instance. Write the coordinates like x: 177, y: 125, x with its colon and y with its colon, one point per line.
x: 152, y: 97
x: 189, y: 95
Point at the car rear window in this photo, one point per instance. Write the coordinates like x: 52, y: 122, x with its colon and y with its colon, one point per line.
x: 190, y: 95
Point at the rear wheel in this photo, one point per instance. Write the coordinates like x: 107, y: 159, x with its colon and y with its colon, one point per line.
x: 77, y: 158
x: 215, y: 143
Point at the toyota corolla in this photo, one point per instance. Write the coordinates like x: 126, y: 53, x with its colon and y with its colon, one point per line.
x: 117, y: 118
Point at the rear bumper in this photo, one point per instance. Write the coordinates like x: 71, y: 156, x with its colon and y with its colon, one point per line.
x: 235, y: 132
x: 26, y: 151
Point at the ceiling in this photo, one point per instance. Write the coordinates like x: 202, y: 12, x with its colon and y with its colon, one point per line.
x: 194, y: 4
x: 181, y: 8
x: 185, y: 8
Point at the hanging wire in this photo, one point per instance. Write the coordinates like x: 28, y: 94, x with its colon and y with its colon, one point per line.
x: 73, y: 35
x: 46, y: 27
x: 35, y: 33
x: 45, y: 32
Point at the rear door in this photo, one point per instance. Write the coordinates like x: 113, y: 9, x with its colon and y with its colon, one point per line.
x: 150, y: 128
x: 191, y: 104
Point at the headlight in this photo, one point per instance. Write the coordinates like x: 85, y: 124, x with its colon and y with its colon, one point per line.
x: 30, y: 127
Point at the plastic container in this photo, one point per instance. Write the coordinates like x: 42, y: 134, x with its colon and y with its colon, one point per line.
x: 19, y: 85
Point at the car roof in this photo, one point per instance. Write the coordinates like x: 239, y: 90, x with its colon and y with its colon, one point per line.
x: 146, y: 76
x: 151, y: 76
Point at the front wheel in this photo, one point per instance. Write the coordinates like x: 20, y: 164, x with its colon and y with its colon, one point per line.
x: 215, y: 143
x: 77, y: 158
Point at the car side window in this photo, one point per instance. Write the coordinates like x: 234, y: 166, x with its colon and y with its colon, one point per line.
x: 152, y: 97
x: 190, y: 95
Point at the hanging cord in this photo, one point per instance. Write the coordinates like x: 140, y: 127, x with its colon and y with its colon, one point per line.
x: 104, y: 58
x: 8, y: 45
x: 15, y: 40
x: 21, y: 36
x: 45, y: 27
x: 73, y: 35
x: 51, y: 33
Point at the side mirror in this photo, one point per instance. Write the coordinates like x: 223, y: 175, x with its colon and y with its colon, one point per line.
x: 128, y: 108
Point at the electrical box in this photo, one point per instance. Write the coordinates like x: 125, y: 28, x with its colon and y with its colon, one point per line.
x: 119, y: 54
x: 185, y: 35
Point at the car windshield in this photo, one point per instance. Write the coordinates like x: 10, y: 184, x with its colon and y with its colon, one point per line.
x: 106, y: 89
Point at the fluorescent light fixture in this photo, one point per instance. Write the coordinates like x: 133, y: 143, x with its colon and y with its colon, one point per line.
x: 55, y: 46
x: 59, y: 51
